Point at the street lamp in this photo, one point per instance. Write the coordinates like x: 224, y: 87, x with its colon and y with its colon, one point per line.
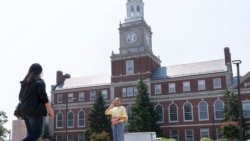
x: 237, y: 62
x: 67, y: 101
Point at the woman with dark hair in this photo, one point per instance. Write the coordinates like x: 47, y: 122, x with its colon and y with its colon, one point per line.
x: 34, y: 103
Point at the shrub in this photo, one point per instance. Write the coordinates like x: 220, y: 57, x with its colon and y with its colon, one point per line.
x: 206, y: 139
x: 103, y: 136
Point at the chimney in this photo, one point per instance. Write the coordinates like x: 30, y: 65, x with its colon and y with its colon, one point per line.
x: 59, y: 77
x: 227, y: 56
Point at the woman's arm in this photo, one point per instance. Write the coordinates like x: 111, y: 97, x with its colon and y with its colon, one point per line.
x: 49, y: 109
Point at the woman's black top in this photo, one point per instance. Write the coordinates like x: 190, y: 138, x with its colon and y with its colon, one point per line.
x: 32, y: 98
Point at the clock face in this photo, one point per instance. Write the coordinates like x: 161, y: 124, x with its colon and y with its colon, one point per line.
x: 131, y: 37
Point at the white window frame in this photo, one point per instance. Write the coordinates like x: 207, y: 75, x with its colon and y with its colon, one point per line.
x: 92, y: 95
x: 160, y: 115
x: 81, y: 119
x: 219, y: 134
x: 186, y: 112
x: 173, y: 135
x: 135, y: 91
x: 68, y: 119
x: 219, y: 109
x: 217, y: 83
x: 70, y: 97
x: 186, y: 86
x: 171, y: 88
x: 61, y: 120
x: 80, y: 136
x: 203, y: 111
x: 158, y: 89
x: 130, y: 67
x: 81, y: 96
x: 246, y: 109
x: 170, y: 114
x: 187, y: 134
x: 70, y: 137
x: 130, y: 91
x: 105, y: 94
x: 204, y: 132
x: 59, y: 98
x: 201, y: 85
x: 124, y: 92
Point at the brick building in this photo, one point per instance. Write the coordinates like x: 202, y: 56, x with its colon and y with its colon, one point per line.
x: 189, y: 97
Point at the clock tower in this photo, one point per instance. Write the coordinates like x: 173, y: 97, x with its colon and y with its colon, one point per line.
x: 135, y: 59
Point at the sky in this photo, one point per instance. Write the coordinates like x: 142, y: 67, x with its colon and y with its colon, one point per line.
x: 78, y: 36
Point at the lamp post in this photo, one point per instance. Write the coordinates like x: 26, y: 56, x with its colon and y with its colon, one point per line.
x: 66, y: 128
x: 237, y: 62
x: 9, y: 134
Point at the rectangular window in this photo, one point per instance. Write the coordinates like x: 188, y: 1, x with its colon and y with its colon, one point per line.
x: 130, y: 91
x: 70, y: 97
x: 201, y: 85
x: 217, y: 83
x: 105, y: 94
x: 59, y: 98
x: 124, y: 92
x: 130, y: 67
x: 186, y: 86
x: 80, y: 136
x: 246, y: 109
x: 219, y: 134
x: 171, y: 88
x: 58, y: 138
x: 81, y: 96
x: 158, y: 89
x: 92, y: 95
x: 189, y: 134
x: 135, y: 91
x: 174, y: 134
x: 70, y: 137
x: 204, y: 132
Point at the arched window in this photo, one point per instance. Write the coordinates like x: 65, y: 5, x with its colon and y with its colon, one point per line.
x: 70, y: 119
x: 173, y: 113
x: 218, y: 108
x: 159, y: 111
x: 188, y: 112
x: 203, y: 111
x: 81, y: 119
x: 59, y: 120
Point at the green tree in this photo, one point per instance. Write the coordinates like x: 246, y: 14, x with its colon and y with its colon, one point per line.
x: 46, y: 133
x: 230, y: 127
x: 3, y: 120
x: 231, y: 111
x: 144, y: 117
x: 98, y: 121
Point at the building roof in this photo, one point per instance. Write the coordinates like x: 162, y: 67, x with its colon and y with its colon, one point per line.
x: 86, y: 81
x: 205, y: 67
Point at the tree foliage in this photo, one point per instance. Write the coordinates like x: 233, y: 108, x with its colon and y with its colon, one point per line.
x: 3, y: 120
x: 46, y: 133
x: 230, y: 127
x: 231, y: 111
x: 144, y: 117
x: 98, y: 121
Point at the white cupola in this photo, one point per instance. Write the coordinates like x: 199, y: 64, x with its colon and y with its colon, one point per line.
x: 135, y: 11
